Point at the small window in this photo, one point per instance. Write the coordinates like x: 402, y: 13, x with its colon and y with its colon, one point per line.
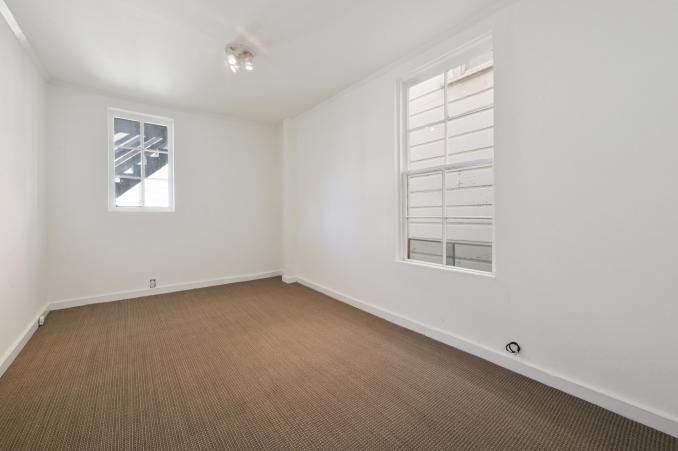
x: 141, y: 172
x: 447, y: 162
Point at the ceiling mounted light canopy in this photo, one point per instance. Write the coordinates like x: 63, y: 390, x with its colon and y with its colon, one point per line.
x: 238, y: 56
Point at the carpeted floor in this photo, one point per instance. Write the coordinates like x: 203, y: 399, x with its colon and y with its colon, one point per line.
x: 265, y: 365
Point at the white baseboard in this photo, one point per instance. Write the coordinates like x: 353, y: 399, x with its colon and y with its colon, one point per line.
x: 629, y: 409
x: 288, y: 279
x: 161, y: 289
x: 16, y: 347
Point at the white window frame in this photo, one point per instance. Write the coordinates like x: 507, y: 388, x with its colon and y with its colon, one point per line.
x: 142, y: 119
x: 443, y: 64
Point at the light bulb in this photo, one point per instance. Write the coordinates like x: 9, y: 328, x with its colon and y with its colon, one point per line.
x: 238, y: 57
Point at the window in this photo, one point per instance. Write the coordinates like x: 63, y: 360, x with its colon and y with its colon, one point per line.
x: 447, y: 162
x: 141, y: 172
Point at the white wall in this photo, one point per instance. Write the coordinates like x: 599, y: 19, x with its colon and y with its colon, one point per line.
x: 22, y: 235
x: 586, y: 200
x: 226, y: 222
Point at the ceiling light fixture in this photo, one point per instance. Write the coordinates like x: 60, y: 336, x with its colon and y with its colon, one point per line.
x: 238, y: 56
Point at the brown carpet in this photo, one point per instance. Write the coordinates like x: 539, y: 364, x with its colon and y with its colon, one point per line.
x: 264, y: 365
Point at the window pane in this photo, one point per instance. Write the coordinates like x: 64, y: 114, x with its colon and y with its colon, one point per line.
x: 425, y: 241
x: 425, y: 123
x: 473, y: 122
x: 128, y: 163
x: 470, y: 96
x: 482, y: 99
x: 425, y: 87
x: 426, y: 109
x: 476, y: 176
x: 470, y: 193
x: 469, y: 243
x: 475, y: 230
x: 476, y: 256
x: 469, y: 197
x: 155, y: 136
x: 425, y: 195
x: 470, y: 142
x: 427, y: 155
x: 156, y: 165
x: 127, y: 192
x: 469, y: 210
x: 427, y: 147
x: 156, y: 193
x: 426, y: 135
x: 126, y: 133
x: 469, y: 79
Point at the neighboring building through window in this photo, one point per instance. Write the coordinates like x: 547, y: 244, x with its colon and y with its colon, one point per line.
x: 141, y: 172
x: 448, y: 141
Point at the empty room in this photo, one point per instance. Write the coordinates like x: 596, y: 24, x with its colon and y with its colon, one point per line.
x: 338, y: 225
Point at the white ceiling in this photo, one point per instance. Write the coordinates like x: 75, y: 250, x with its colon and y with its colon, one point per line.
x: 172, y: 51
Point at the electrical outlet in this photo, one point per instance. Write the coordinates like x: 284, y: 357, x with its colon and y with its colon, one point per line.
x: 151, y: 283
x: 513, y: 347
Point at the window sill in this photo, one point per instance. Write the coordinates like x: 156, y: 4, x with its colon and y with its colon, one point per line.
x: 454, y: 269
x: 141, y: 209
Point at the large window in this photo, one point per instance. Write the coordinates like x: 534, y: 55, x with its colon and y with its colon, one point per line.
x: 447, y: 162
x: 141, y: 172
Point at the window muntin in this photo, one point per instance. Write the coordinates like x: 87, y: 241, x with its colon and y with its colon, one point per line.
x: 448, y: 142
x: 140, y: 162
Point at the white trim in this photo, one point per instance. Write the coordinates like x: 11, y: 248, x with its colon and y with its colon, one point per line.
x: 457, y: 269
x: 400, y: 162
x: 653, y: 418
x: 16, y: 347
x: 160, y: 289
x: 21, y: 37
x: 289, y: 279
